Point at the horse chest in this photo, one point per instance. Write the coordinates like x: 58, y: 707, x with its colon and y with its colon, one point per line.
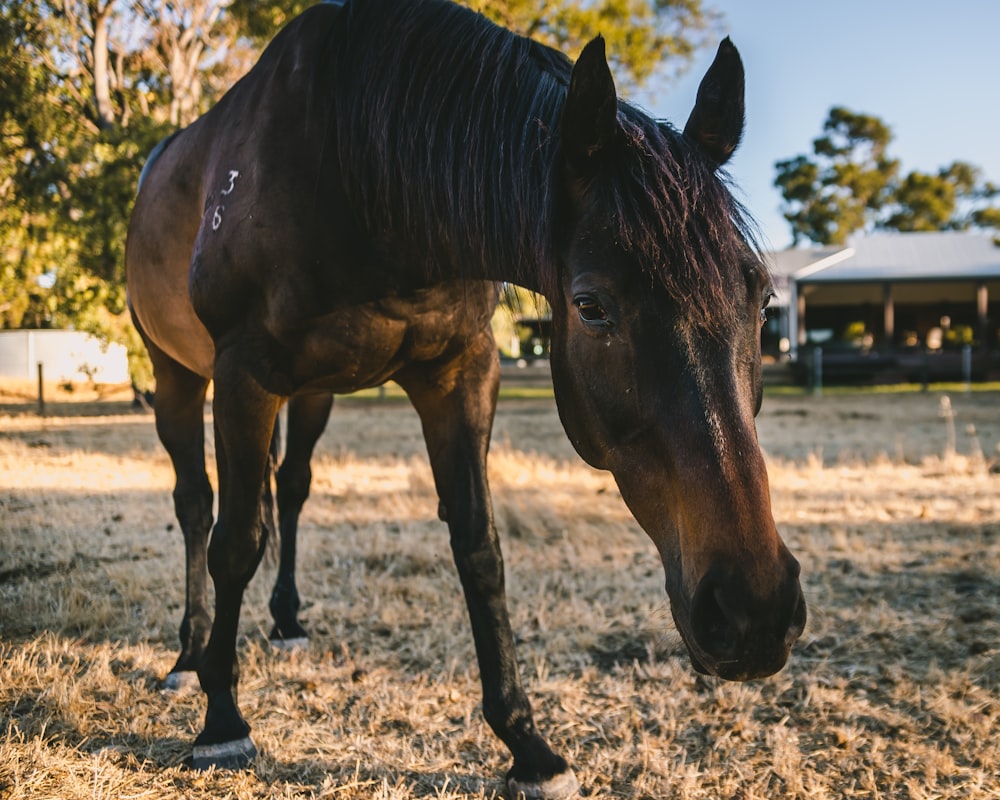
x: 357, y: 347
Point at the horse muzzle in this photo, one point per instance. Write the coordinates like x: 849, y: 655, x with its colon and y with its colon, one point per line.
x: 736, y: 634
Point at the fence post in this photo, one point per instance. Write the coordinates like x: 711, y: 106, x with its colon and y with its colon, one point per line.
x: 41, y: 390
x: 967, y: 367
x: 818, y: 371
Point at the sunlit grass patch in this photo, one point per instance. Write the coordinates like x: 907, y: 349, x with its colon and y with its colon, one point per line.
x: 891, y: 692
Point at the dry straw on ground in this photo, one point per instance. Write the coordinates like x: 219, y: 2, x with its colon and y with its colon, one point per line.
x: 891, y: 693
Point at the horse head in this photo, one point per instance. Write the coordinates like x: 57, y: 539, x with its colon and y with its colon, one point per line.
x: 656, y: 357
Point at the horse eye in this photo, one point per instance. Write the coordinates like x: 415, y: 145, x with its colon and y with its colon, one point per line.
x: 591, y: 311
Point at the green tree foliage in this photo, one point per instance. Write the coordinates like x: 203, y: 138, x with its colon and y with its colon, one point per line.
x: 850, y: 183
x: 30, y: 167
x: 261, y: 20
x: 69, y: 157
x: 87, y: 94
x: 954, y: 198
x: 831, y: 195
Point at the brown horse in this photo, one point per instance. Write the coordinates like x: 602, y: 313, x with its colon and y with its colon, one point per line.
x: 341, y: 218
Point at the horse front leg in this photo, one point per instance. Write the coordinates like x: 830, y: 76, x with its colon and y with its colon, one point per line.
x: 307, y: 418
x: 244, y: 422
x: 456, y: 404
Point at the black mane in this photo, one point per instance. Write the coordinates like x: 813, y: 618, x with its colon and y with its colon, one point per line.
x: 449, y: 133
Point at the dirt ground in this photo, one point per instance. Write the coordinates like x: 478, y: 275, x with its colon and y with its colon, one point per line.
x: 891, y: 502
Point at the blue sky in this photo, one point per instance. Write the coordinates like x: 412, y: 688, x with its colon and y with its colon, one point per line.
x: 929, y: 70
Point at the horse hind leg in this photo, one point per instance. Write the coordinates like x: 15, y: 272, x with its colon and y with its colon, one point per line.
x: 179, y: 407
x: 307, y: 418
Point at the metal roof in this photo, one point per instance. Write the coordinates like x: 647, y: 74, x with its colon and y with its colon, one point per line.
x: 788, y: 262
x: 897, y: 257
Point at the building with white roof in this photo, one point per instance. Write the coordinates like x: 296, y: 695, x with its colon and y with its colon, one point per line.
x: 909, y: 301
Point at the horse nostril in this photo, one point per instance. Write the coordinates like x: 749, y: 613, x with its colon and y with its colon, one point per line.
x: 799, y: 614
x: 718, y: 625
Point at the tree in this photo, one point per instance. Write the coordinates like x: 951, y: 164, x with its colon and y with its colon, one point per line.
x: 852, y: 184
x: 92, y: 47
x: 86, y: 96
x: 62, y: 192
x: 830, y: 197
x: 954, y: 198
x: 927, y: 202
x: 34, y: 134
x: 194, y: 51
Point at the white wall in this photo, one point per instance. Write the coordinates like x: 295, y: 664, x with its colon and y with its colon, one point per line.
x: 64, y: 355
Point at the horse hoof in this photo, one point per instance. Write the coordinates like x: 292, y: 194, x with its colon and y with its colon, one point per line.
x: 180, y: 681
x: 239, y: 754
x: 559, y: 787
x: 294, y: 643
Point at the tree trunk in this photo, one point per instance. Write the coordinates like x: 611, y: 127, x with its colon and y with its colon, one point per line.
x: 102, y: 76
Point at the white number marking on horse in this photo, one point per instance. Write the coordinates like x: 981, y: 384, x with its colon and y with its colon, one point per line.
x: 233, y: 175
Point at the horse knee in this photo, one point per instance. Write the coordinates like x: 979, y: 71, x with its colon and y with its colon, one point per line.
x: 234, y: 559
x: 193, y: 505
x: 482, y: 567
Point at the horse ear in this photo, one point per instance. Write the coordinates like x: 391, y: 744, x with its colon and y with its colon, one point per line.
x: 590, y: 116
x: 716, y: 123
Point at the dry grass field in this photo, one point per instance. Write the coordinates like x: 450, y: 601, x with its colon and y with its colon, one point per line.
x: 892, y: 692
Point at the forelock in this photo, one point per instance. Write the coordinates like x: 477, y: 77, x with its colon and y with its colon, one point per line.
x: 677, y: 218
